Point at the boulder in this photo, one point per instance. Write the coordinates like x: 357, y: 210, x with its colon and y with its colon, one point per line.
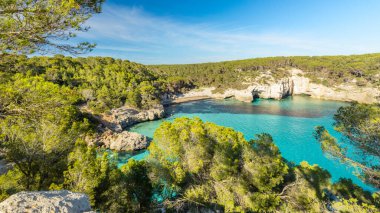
x: 46, y: 201
x: 122, y: 141
x: 123, y: 117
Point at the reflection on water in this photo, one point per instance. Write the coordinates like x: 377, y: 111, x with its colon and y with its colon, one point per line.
x: 297, y: 106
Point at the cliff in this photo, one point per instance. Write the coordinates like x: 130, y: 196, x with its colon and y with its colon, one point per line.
x: 294, y: 84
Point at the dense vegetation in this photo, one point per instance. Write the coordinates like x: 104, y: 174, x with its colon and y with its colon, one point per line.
x: 193, y: 165
x: 42, y: 25
x: 103, y: 83
x: 327, y: 70
x: 213, y: 167
x: 360, y: 124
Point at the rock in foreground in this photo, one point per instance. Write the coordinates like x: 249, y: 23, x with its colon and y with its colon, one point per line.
x: 46, y: 201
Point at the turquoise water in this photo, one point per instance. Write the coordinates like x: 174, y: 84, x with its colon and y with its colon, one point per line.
x: 290, y: 122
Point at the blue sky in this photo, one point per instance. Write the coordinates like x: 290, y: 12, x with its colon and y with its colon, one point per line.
x: 189, y: 31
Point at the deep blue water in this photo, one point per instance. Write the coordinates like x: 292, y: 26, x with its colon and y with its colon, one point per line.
x: 290, y: 122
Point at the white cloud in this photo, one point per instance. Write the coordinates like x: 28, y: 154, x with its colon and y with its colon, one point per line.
x: 136, y: 35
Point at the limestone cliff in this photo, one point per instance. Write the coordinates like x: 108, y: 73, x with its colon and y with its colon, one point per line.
x: 294, y: 84
x: 344, y: 92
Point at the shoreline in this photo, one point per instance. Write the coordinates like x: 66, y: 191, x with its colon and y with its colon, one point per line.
x: 200, y: 98
x: 206, y: 96
x: 187, y: 99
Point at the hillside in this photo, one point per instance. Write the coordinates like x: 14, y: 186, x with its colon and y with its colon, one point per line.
x: 327, y: 70
x: 327, y: 77
x: 44, y: 133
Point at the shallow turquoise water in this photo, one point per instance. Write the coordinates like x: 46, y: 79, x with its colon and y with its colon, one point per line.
x: 290, y: 122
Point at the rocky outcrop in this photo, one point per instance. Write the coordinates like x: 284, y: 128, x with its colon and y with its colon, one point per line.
x: 123, y: 117
x: 344, y: 92
x: 279, y: 90
x: 121, y: 141
x: 46, y: 201
x: 111, y: 131
x: 295, y: 84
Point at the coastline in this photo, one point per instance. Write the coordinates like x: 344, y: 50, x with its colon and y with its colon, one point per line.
x: 181, y: 100
x: 285, y: 87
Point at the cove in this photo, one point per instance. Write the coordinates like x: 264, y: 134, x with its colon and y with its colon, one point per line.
x: 290, y: 121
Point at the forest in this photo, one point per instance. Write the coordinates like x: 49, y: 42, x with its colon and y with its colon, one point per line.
x: 193, y: 166
x: 326, y: 70
x: 102, y: 83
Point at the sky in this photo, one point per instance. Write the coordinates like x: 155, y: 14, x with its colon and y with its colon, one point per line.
x: 194, y: 31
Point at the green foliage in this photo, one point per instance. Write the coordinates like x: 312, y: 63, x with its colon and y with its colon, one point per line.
x: 306, y: 193
x: 352, y: 206
x: 209, y: 165
x: 328, y: 70
x: 214, y: 168
x: 10, y: 183
x: 39, y: 129
x: 360, y: 124
x: 192, y: 165
x: 102, y: 83
x: 41, y: 25
x: 138, y: 184
x: 109, y: 188
x: 86, y: 173
x: 264, y: 164
x: 346, y: 189
x: 328, y: 143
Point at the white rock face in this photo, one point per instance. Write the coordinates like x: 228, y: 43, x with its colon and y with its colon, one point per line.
x: 46, y: 201
x: 122, y: 141
x: 344, y: 92
x: 111, y: 130
x: 296, y: 84
x: 300, y: 85
x: 124, y: 117
x: 278, y: 90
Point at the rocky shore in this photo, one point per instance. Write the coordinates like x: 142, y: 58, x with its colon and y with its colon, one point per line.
x: 295, y: 84
x: 112, y: 130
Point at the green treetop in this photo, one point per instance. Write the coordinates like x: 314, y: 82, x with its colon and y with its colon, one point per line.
x: 44, y: 25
